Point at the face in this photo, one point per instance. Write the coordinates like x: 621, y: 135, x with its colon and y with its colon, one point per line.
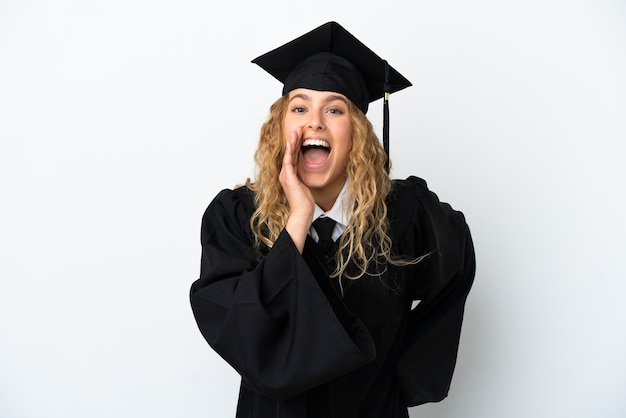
x: 326, y: 128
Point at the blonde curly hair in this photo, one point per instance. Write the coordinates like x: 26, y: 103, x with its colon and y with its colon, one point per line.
x: 366, y: 236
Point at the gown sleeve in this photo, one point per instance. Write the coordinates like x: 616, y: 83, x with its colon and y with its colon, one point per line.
x: 266, y: 315
x: 441, y: 283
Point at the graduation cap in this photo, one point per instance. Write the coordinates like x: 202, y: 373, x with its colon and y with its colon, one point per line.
x: 329, y: 58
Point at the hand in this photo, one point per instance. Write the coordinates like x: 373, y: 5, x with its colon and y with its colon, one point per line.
x: 300, y: 198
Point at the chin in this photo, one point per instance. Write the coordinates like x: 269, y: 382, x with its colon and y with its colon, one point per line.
x: 314, y: 182
x: 323, y: 182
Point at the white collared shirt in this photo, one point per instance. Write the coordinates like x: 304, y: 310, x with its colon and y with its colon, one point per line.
x: 340, y: 213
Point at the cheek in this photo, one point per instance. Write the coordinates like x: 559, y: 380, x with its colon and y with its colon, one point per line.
x: 343, y: 133
x: 349, y: 144
x: 288, y: 127
x: 346, y: 148
x: 348, y: 139
x: 288, y: 122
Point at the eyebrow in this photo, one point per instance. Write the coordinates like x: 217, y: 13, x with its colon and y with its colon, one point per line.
x: 329, y: 99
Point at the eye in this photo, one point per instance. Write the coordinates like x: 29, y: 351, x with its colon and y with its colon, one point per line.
x: 335, y: 111
x: 298, y: 109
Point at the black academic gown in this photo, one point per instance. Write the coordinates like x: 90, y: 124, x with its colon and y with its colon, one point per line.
x: 304, y: 349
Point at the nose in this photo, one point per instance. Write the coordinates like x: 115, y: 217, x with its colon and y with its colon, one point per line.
x: 315, y: 122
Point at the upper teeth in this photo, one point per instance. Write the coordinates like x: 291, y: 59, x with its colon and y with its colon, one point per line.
x: 315, y: 142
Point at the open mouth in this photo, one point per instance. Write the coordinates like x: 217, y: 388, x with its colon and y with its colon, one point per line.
x: 315, y: 152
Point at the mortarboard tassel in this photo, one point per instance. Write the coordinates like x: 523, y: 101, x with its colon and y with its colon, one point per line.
x: 386, y: 116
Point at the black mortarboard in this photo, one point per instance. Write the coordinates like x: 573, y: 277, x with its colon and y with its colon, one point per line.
x: 329, y: 58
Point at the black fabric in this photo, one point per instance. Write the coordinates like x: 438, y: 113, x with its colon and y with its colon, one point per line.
x: 306, y: 351
x: 326, y: 248
x: 324, y: 227
x: 329, y: 72
x: 329, y: 58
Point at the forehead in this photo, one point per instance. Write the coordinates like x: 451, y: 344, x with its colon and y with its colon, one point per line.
x: 308, y: 94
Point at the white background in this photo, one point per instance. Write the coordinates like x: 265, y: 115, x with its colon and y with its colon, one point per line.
x: 120, y: 120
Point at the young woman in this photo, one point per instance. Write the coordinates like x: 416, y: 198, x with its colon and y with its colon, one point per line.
x: 311, y: 273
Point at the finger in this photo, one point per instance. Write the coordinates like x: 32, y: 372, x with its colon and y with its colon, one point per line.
x: 296, y: 142
x: 288, y: 157
x: 287, y: 154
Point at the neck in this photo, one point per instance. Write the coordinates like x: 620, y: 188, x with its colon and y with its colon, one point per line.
x: 324, y: 202
x: 325, y: 197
